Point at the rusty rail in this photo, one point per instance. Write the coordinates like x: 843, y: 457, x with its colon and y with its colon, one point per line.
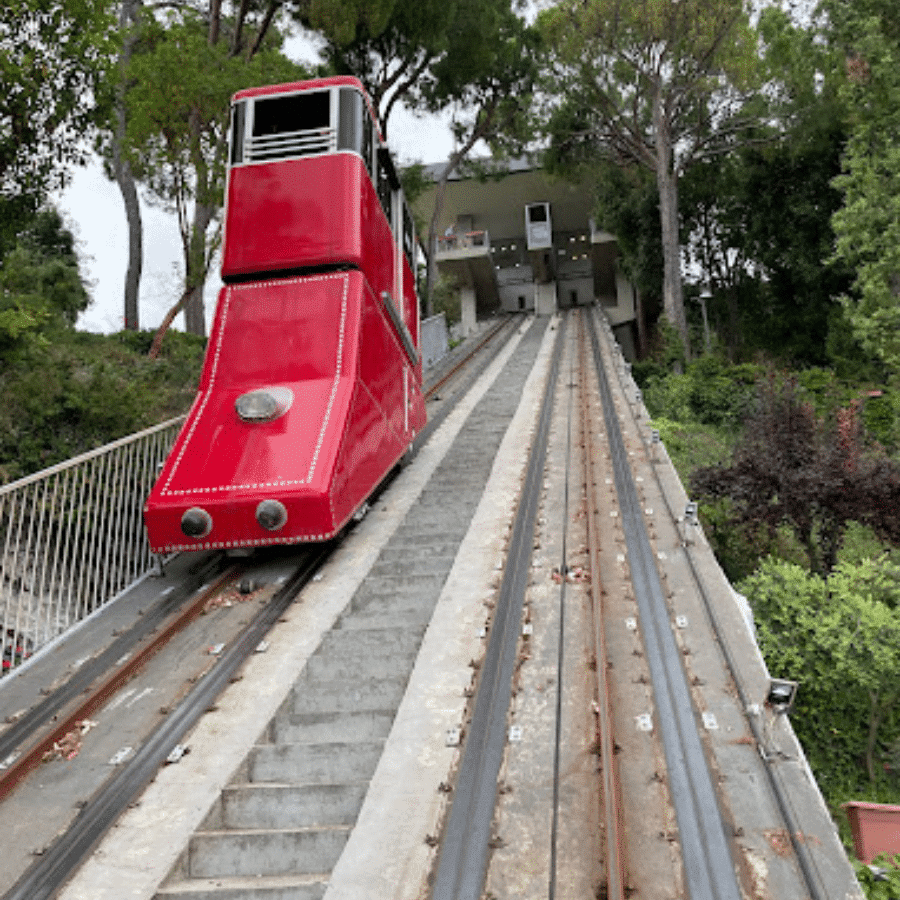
x: 612, y: 802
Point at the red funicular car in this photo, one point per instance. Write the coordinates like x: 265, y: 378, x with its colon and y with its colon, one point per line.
x: 311, y: 386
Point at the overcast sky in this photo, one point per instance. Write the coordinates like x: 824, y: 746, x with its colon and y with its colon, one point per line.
x: 94, y: 210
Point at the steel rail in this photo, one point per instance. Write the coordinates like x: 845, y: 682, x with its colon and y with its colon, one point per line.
x: 561, y: 640
x: 708, y: 865
x: 462, y: 864
x: 812, y: 877
x: 56, y: 866
x: 612, y: 798
x: 99, y: 679
x: 432, y: 389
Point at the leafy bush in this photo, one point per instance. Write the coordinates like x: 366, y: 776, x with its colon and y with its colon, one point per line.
x: 710, y: 392
x: 882, y: 886
x: 79, y: 391
x: 840, y: 638
x: 790, y: 468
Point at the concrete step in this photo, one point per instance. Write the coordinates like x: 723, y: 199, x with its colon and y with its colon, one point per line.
x: 247, y: 807
x: 254, y: 887
x: 386, y: 661
x: 298, y: 851
x: 352, y: 695
x: 425, y: 532
x: 428, y: 580
x: 383, y: 617
x: 374, y: 641
x: 409, y: 575
x: 414, y: 554
x: 344, y: 727
x: 324, y: 763
x: 417, y: 605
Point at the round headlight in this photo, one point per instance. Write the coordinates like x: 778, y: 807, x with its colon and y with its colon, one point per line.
x: 196, y: 522
x: 271, y: 514
x: 264, y: 404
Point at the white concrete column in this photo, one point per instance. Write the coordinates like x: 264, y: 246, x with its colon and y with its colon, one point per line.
x: 545, y: 298
x: 467, y: 310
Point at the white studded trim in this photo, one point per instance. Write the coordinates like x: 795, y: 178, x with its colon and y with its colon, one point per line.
x: 334, y: 384
x: 279, y: 483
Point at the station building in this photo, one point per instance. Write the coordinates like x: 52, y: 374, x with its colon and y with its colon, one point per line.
x: 519, y: 240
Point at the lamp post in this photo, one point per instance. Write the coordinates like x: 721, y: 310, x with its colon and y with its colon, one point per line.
x: 704, y: 296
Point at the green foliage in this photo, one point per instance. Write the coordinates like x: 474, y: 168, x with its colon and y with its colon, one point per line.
x: 694, y: 445
x: 885, y: 885
x: 792, y: 468
x: 343, y: 23
x: 710, y: 392
x: 860, y: 543
x: 881, y: 417
x: 52, y: 58
x: 79, y: 391
x: 446, y: 299
x: 868, y: 225
x: 40, y: 285
x: 840, y: 637
x: 758, y: 225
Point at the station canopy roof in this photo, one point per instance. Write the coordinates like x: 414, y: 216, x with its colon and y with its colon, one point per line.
x: 492, y: 197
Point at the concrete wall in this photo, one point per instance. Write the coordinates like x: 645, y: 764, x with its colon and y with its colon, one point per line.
x: 624, y: 308
x: 545, y: 298
x: 435, y: 340
x: 468, y: 317
x: 583, y: 288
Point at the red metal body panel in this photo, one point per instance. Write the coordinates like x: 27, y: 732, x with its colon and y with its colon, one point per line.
x: 313, y: 211
x: 292, y: 87
x: 328, y: 339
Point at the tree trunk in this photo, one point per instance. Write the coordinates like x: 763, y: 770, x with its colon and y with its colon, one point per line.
x: 875, y: 717
x: 128, y: 17
x: 156, y: 346
x: 640, y: 318
x: 667, y: 183
x: 430, y: 269
x: 195, y: 270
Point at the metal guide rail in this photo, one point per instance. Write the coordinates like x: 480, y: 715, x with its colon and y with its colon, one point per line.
x: 708, y: 866
x: 466, y: 844
x: 54, y: 868
x: 709, y: 869
x: 612, y: 800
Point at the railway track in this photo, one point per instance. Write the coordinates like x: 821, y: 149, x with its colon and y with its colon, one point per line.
x: 553, y: 655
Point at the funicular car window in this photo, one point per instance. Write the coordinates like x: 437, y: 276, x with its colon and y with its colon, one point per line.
x: 384, y: 192
x: 291, y: 125
x: 353, y: 124
x: 408, y: 242
x: 238, y: 114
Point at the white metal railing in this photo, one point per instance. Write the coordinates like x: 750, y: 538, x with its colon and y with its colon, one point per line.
x: 291, y: 143
x: 72, y: 536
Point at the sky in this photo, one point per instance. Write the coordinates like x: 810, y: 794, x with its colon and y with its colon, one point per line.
x: 92, y: 206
